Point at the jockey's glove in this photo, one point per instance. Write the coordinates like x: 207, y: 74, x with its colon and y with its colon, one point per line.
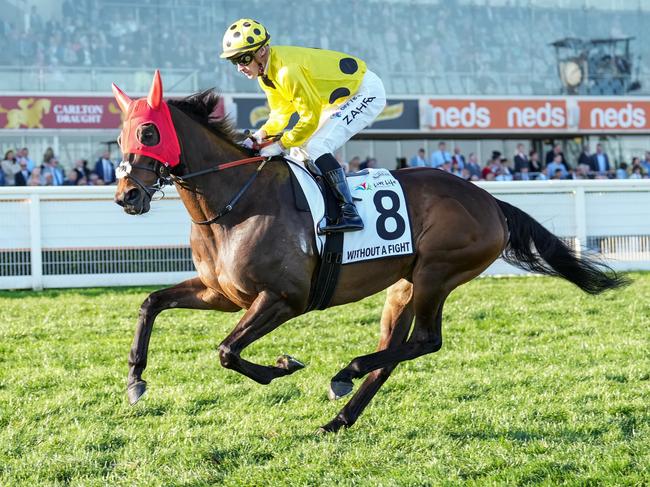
x: 259, y: 136
x: 274, y: 149
x: 247, y: 142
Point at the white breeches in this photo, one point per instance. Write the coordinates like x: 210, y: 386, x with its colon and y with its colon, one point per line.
x: 355, y: 113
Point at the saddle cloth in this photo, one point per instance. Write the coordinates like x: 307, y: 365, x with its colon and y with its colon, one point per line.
x: 381, y: 204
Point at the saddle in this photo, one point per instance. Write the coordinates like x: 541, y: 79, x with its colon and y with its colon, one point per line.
x: 331, y: 253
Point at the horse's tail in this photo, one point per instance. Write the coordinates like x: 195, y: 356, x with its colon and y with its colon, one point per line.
x: 552, y: 256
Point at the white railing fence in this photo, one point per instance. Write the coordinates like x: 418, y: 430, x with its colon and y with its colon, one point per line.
x: 54, y: 237
x: 609, y: 217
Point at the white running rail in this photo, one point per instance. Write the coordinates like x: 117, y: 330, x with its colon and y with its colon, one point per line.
x: 77, y: 237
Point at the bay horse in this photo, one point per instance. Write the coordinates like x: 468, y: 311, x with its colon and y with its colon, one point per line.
x: 260, y: 255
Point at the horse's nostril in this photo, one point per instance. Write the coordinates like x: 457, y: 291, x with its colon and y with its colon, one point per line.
x: 131, y: 196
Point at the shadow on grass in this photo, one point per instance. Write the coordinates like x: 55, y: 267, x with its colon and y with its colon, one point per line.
x: 626, y: 420
x: 108, y: 443
x: 522, y: 436
x: 286, y: 394
x: 226, y: 460
x: 143, y: 410
x: 205, y: 403
x: 528, y: 475
x: 548, y: 471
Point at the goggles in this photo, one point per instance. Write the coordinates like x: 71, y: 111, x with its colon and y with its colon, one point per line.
x: 243, y: 59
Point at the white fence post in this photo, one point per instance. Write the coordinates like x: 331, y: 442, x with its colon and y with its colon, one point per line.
x: 35, y: 241
x: 581, y: 218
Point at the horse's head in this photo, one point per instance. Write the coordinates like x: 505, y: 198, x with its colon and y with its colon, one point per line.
x: 44, y: 105
x: 149, y: 145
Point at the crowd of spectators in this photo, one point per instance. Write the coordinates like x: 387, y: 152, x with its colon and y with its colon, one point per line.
x: 19, y: 169
x: 474, y: 48
x: 527, y: 165
x: 96, y: 34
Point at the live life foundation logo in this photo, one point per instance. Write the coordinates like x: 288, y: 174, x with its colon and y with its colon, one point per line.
x: 570, y: 114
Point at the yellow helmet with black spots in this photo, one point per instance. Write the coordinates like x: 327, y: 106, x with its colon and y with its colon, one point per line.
x: 244, y: 35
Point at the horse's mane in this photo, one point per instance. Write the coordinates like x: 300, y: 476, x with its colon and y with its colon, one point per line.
x: 200, y: 107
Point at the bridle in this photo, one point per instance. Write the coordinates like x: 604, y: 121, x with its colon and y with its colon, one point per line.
x: 165, y: 178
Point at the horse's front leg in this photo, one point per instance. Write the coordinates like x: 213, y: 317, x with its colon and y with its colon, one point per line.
x: 190, y: 294
x: 267, y: 313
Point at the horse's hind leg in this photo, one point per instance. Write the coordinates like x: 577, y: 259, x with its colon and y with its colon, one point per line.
x: 190, y: 294
x: 396, y: 320
x: 267, y: 313
x: 426, y: 337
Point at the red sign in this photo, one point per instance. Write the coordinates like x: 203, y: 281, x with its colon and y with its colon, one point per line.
x: 535, y: 115
x: 496, y: 114
x: 59, y: 112
x: 615, y: 115
x: 63, y: 112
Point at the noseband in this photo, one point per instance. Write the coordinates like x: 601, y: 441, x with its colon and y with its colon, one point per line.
x: 163, y: 176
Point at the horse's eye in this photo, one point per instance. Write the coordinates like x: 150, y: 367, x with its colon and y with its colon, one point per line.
x: 148, y: 134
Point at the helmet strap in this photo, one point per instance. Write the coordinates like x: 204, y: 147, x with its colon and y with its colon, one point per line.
x: 261, y: 64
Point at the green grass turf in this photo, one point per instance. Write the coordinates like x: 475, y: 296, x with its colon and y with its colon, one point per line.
x: 536, y: 383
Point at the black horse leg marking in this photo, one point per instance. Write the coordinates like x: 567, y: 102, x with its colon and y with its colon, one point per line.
x: 396, y: 321
x: 265, y: 315
x: 190, y: 294
x: 426, y: 338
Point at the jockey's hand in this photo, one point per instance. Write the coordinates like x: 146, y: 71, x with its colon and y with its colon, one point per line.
x: 259, y: 136
x: 248, y: 142
x: 274, y: 149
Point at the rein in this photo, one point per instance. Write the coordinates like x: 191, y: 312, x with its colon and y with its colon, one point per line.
x: 165, y: 178
x: 220, y: 167
x: 231, y: 204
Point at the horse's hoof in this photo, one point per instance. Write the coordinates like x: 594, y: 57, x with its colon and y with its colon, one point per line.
x: 135, y: 391
x: 339, y: 389
x: 332, y: 427
x: 289, y: 363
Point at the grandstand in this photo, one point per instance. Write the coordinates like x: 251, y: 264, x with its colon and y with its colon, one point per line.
x: 424, y: 51
x: 450, y: 47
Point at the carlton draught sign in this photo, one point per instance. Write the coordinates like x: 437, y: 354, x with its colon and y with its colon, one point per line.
x: 58, y: 112
x: 35, y: 111
x: 532, y: 115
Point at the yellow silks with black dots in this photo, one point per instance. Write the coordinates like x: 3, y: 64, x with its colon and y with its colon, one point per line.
x: 306, y: 81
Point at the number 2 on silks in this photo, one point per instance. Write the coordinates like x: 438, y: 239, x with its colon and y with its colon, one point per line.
x: 387, y: 213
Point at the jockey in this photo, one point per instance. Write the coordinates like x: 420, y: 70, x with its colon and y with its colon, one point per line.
x: 334, y: 94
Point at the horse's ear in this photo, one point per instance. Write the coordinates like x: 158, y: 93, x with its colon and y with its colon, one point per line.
x: 122, y: 99
x: 155, y: 93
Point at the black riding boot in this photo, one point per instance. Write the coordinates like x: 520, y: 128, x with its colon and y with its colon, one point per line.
x: 349, y: 220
